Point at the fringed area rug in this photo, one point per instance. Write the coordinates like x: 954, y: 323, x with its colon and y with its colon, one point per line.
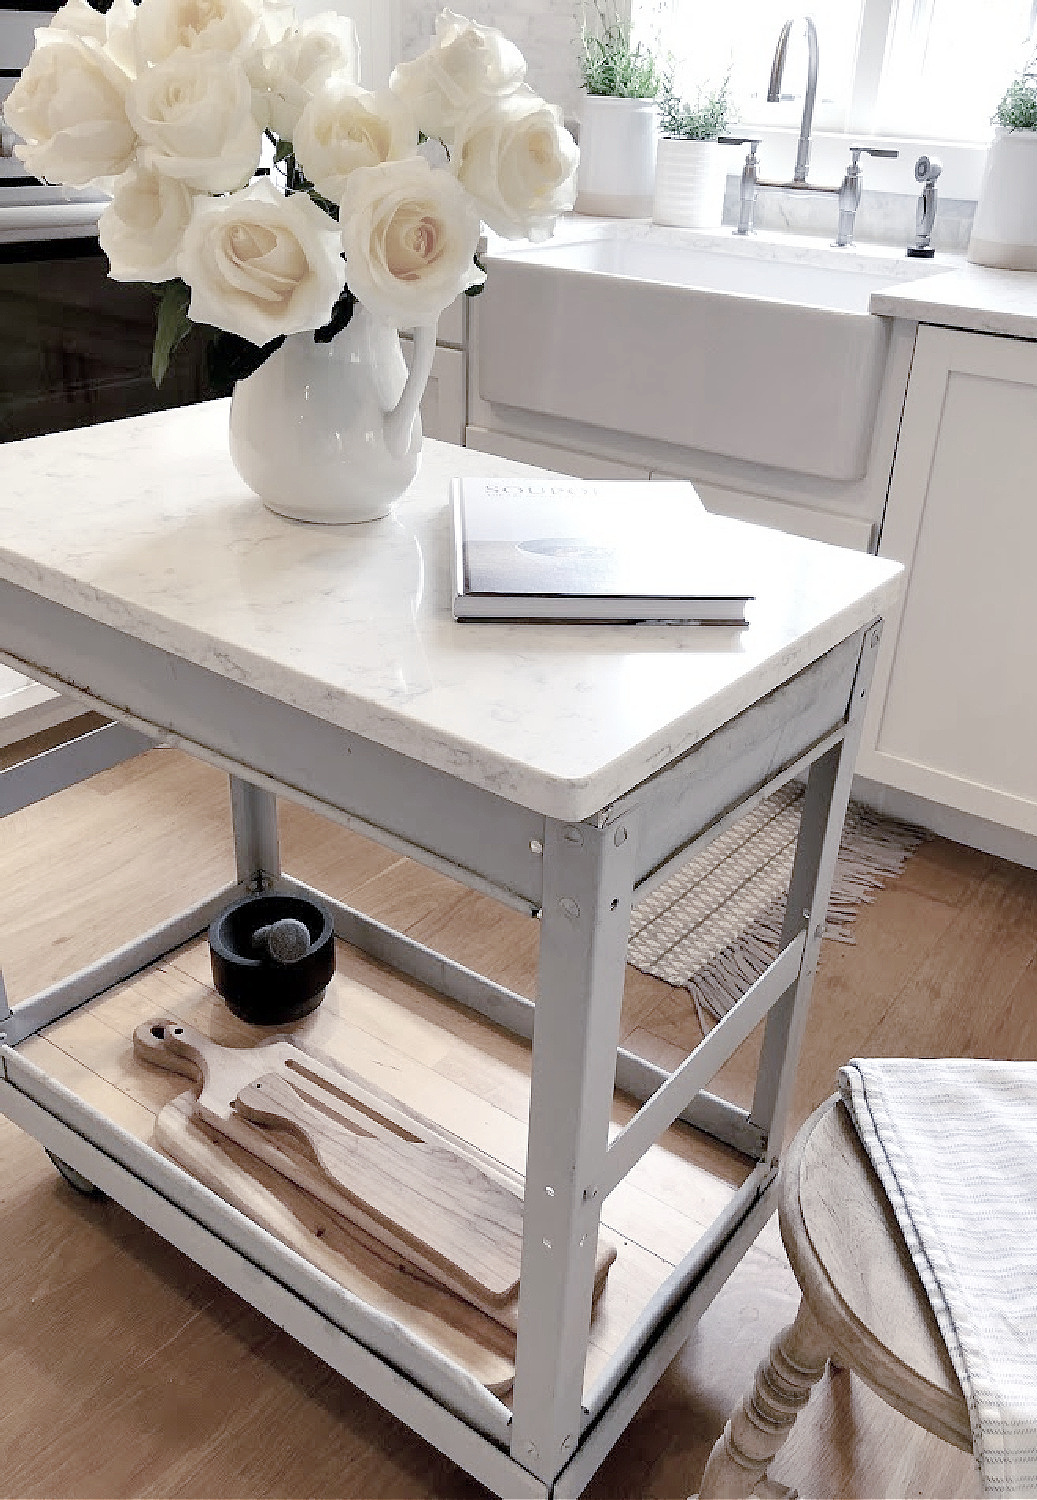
x: 715, y: 926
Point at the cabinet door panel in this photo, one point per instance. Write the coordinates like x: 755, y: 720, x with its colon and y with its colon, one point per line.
x: 954, y: 711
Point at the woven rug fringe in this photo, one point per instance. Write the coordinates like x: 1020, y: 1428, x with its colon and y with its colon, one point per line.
x: 669, y: 930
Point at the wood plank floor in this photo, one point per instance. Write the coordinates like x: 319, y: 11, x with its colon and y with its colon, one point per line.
x: 126, y: 1371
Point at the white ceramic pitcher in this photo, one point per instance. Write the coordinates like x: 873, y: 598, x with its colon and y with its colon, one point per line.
x: 332, y: 432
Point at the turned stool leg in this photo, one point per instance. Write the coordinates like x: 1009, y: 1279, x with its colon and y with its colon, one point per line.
x: 756, y: 1429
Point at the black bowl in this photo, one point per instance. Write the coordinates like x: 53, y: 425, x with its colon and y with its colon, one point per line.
x: 257, y: 986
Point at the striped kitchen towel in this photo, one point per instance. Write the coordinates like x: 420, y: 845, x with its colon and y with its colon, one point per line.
x: 954, y: 1142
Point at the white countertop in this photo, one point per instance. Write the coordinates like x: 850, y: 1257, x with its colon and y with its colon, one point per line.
x: 977, y: 298
x: 144, y: 525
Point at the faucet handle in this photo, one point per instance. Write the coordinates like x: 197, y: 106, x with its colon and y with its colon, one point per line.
x: 752, y: 141
x: 856, y: 152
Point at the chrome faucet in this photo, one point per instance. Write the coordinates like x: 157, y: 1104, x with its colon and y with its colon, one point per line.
x: 774, y: 90
x: 849, y: 190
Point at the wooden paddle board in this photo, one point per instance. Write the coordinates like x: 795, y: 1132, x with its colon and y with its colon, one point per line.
x: 430, y: 1199
x: 338, y: 1247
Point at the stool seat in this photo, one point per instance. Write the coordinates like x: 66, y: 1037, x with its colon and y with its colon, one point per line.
x: 863, y: 1304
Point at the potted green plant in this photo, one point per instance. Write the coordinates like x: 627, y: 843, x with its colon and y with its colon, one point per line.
x: 691, y: 166
x: 622, y: 79
x: 1004, y: 231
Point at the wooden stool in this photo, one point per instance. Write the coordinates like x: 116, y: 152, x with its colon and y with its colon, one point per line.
x: 863, y: 1306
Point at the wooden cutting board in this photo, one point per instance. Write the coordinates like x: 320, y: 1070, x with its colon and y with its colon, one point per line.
x: 428, y: 1197
x: 360, y: 1264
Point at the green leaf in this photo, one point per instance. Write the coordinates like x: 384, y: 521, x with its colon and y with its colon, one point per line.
x: 172, y: 325
x: 283, y: 151
x: 230, y: 358
x: 475, y: 291
x: 340, y: 316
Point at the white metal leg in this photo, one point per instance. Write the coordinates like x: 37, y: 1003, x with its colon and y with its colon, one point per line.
x: 254, y: 819
x: 588, y: 879
x: 820, y: 830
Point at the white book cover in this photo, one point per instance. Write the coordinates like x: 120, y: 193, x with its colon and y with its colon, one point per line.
x: 608, y: 550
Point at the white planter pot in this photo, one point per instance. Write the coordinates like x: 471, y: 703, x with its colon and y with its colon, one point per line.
x: 616, y: 177
x: 690, y: 178
x: 1004, y: 231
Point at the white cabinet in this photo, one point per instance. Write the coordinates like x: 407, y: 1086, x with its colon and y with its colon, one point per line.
x: 953, y: 712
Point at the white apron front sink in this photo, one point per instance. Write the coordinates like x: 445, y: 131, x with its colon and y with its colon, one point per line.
x: 753, y: 349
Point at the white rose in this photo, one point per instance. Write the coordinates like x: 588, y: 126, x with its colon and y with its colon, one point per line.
x: 344, y: 127
x: 162, y: 26
x: 260, y: 264
x: 193, y: 114
x: 69, y: 107
x: 120, y: 25
x: 79, y: 17
x: 519, y: 162
x: 467, y: 65
x: 287, y: 75
x: 410, y: 232
x: 142, y: 228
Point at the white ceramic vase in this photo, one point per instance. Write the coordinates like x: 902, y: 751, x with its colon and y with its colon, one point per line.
x: 332, y: 432
x: 690, y: 179
x: 616, y: 177
x: 1004, y: 231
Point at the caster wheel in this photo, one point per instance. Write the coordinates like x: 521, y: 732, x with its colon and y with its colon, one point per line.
x: 75, y: 1179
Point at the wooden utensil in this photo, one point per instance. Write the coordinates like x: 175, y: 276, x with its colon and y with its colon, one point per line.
x: 339, y: 1248
x: 466, y: 1235
x: 420, y: 1190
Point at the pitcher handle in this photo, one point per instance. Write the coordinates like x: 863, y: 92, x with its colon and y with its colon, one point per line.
x: 399, y: 421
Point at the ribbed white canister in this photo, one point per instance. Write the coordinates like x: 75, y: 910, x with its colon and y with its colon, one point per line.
x: 690, y: 177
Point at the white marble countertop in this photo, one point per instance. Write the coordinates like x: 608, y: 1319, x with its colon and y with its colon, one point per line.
x: 977, y: 298
x: 144, y: 525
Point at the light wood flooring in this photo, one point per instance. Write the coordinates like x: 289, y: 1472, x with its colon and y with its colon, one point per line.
x: 126, y: 1371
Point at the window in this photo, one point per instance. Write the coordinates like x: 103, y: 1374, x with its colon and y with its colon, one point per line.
x: 933, y: 69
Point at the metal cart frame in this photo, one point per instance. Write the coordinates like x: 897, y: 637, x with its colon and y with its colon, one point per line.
x: 580, y: 879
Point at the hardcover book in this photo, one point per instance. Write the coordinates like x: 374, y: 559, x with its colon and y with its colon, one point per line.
x: 610, y: 551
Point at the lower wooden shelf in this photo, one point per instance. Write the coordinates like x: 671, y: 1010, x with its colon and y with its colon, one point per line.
x: 448, y: 1065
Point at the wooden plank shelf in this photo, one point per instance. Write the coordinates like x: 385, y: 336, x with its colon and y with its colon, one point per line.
x: 400, y: 1036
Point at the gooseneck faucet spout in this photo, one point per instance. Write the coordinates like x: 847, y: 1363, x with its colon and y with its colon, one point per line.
x: 774, y: 90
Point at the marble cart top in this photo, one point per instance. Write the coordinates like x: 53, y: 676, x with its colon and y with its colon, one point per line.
x: 143, y: 525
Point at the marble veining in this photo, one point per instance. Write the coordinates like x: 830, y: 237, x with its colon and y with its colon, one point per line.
x: 144, y: 525
x: 977, y: 298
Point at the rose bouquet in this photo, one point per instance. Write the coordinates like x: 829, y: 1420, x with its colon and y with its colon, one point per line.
x: 260, y: 189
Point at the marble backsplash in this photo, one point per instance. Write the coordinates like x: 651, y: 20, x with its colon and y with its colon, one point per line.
x: 882, y: 218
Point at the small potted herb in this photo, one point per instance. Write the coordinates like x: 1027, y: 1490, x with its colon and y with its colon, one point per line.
x: 622, y: 79
x: 691, y: 165
x: 1004, y: 231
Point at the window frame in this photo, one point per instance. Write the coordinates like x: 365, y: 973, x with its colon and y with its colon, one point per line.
x: 962, y: 160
